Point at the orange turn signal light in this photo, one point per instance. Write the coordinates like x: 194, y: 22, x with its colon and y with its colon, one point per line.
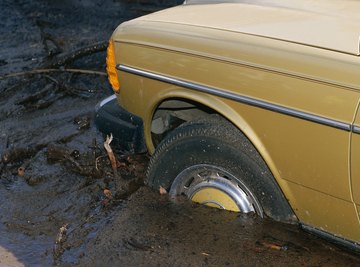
x: 111, y: 67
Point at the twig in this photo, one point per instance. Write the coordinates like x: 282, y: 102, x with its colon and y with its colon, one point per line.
x: 58, y: 249
x: 137, y: 245
x: 35, y: 97
x: 273, y: 246
x: 20, y: 153
x: 51, y: 79
x: 59, y: 153
x: 111, y: 153
x: 97, y: 160
x: 75, y: 163
x: 15, y: 86
x: 41, y: 71
x: 68, y: 57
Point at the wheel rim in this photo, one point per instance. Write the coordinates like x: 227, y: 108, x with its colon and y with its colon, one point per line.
x: 214, y: 187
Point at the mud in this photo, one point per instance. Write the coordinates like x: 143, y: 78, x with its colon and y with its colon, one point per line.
x: 61, y: 204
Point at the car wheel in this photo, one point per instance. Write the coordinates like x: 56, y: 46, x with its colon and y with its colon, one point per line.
x: 211, y: 162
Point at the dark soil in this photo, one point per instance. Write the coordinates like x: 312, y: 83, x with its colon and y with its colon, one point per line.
x: 61, y: 203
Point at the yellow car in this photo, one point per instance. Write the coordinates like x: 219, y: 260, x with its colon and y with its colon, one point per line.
x: 248, y: 106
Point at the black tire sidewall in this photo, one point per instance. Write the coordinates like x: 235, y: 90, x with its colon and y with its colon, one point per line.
x: 195, y: 150
x: 215, y: 141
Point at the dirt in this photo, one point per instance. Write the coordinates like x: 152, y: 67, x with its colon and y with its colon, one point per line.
x: 61, y: 204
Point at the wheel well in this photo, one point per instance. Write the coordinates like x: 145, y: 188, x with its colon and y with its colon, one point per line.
x: 173, y: 112
x: 213, y: 122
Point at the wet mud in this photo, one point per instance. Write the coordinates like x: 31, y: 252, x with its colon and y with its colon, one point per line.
x: 61, y: 203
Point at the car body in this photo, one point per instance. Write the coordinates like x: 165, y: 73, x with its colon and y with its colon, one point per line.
x: 285, y: 74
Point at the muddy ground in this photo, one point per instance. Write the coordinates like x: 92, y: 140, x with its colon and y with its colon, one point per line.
x: 61, y: 204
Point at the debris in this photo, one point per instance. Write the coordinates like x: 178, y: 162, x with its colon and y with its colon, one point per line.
x: 111, y: 154
x: 68, y: 57
x: 205, y: 254
x: 38, y: 100
x: 97, y: 162
x: 51, y: 79
x: 34, y: 180
x: 60, y: 239
x: 83, y: 122
x: 42, y: 71
x: 75, y: 154
x: 62, y: 234
x: 20, y: 153
x: 273, y: 245
x: 58, y: 153
x: 136, y: 244
x: 21, y: 171
x: 162, y: 190
x: 63, y: 155
x: 108, y: 193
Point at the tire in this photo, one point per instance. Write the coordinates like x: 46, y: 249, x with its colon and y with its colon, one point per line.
x: 211, y: 162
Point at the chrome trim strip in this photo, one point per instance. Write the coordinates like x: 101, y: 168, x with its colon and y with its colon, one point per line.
x: 238, y: 98
x: 356, y: 129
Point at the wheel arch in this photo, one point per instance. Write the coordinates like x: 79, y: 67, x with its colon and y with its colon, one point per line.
x: 223, y: 109
x: 285, y: 213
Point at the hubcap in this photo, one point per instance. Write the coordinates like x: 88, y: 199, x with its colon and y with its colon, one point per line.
x: 214, y: 187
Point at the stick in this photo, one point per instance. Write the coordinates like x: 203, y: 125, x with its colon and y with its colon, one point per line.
x: 68, y: 57
x: 41, y: 71
x: 111, y: 153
